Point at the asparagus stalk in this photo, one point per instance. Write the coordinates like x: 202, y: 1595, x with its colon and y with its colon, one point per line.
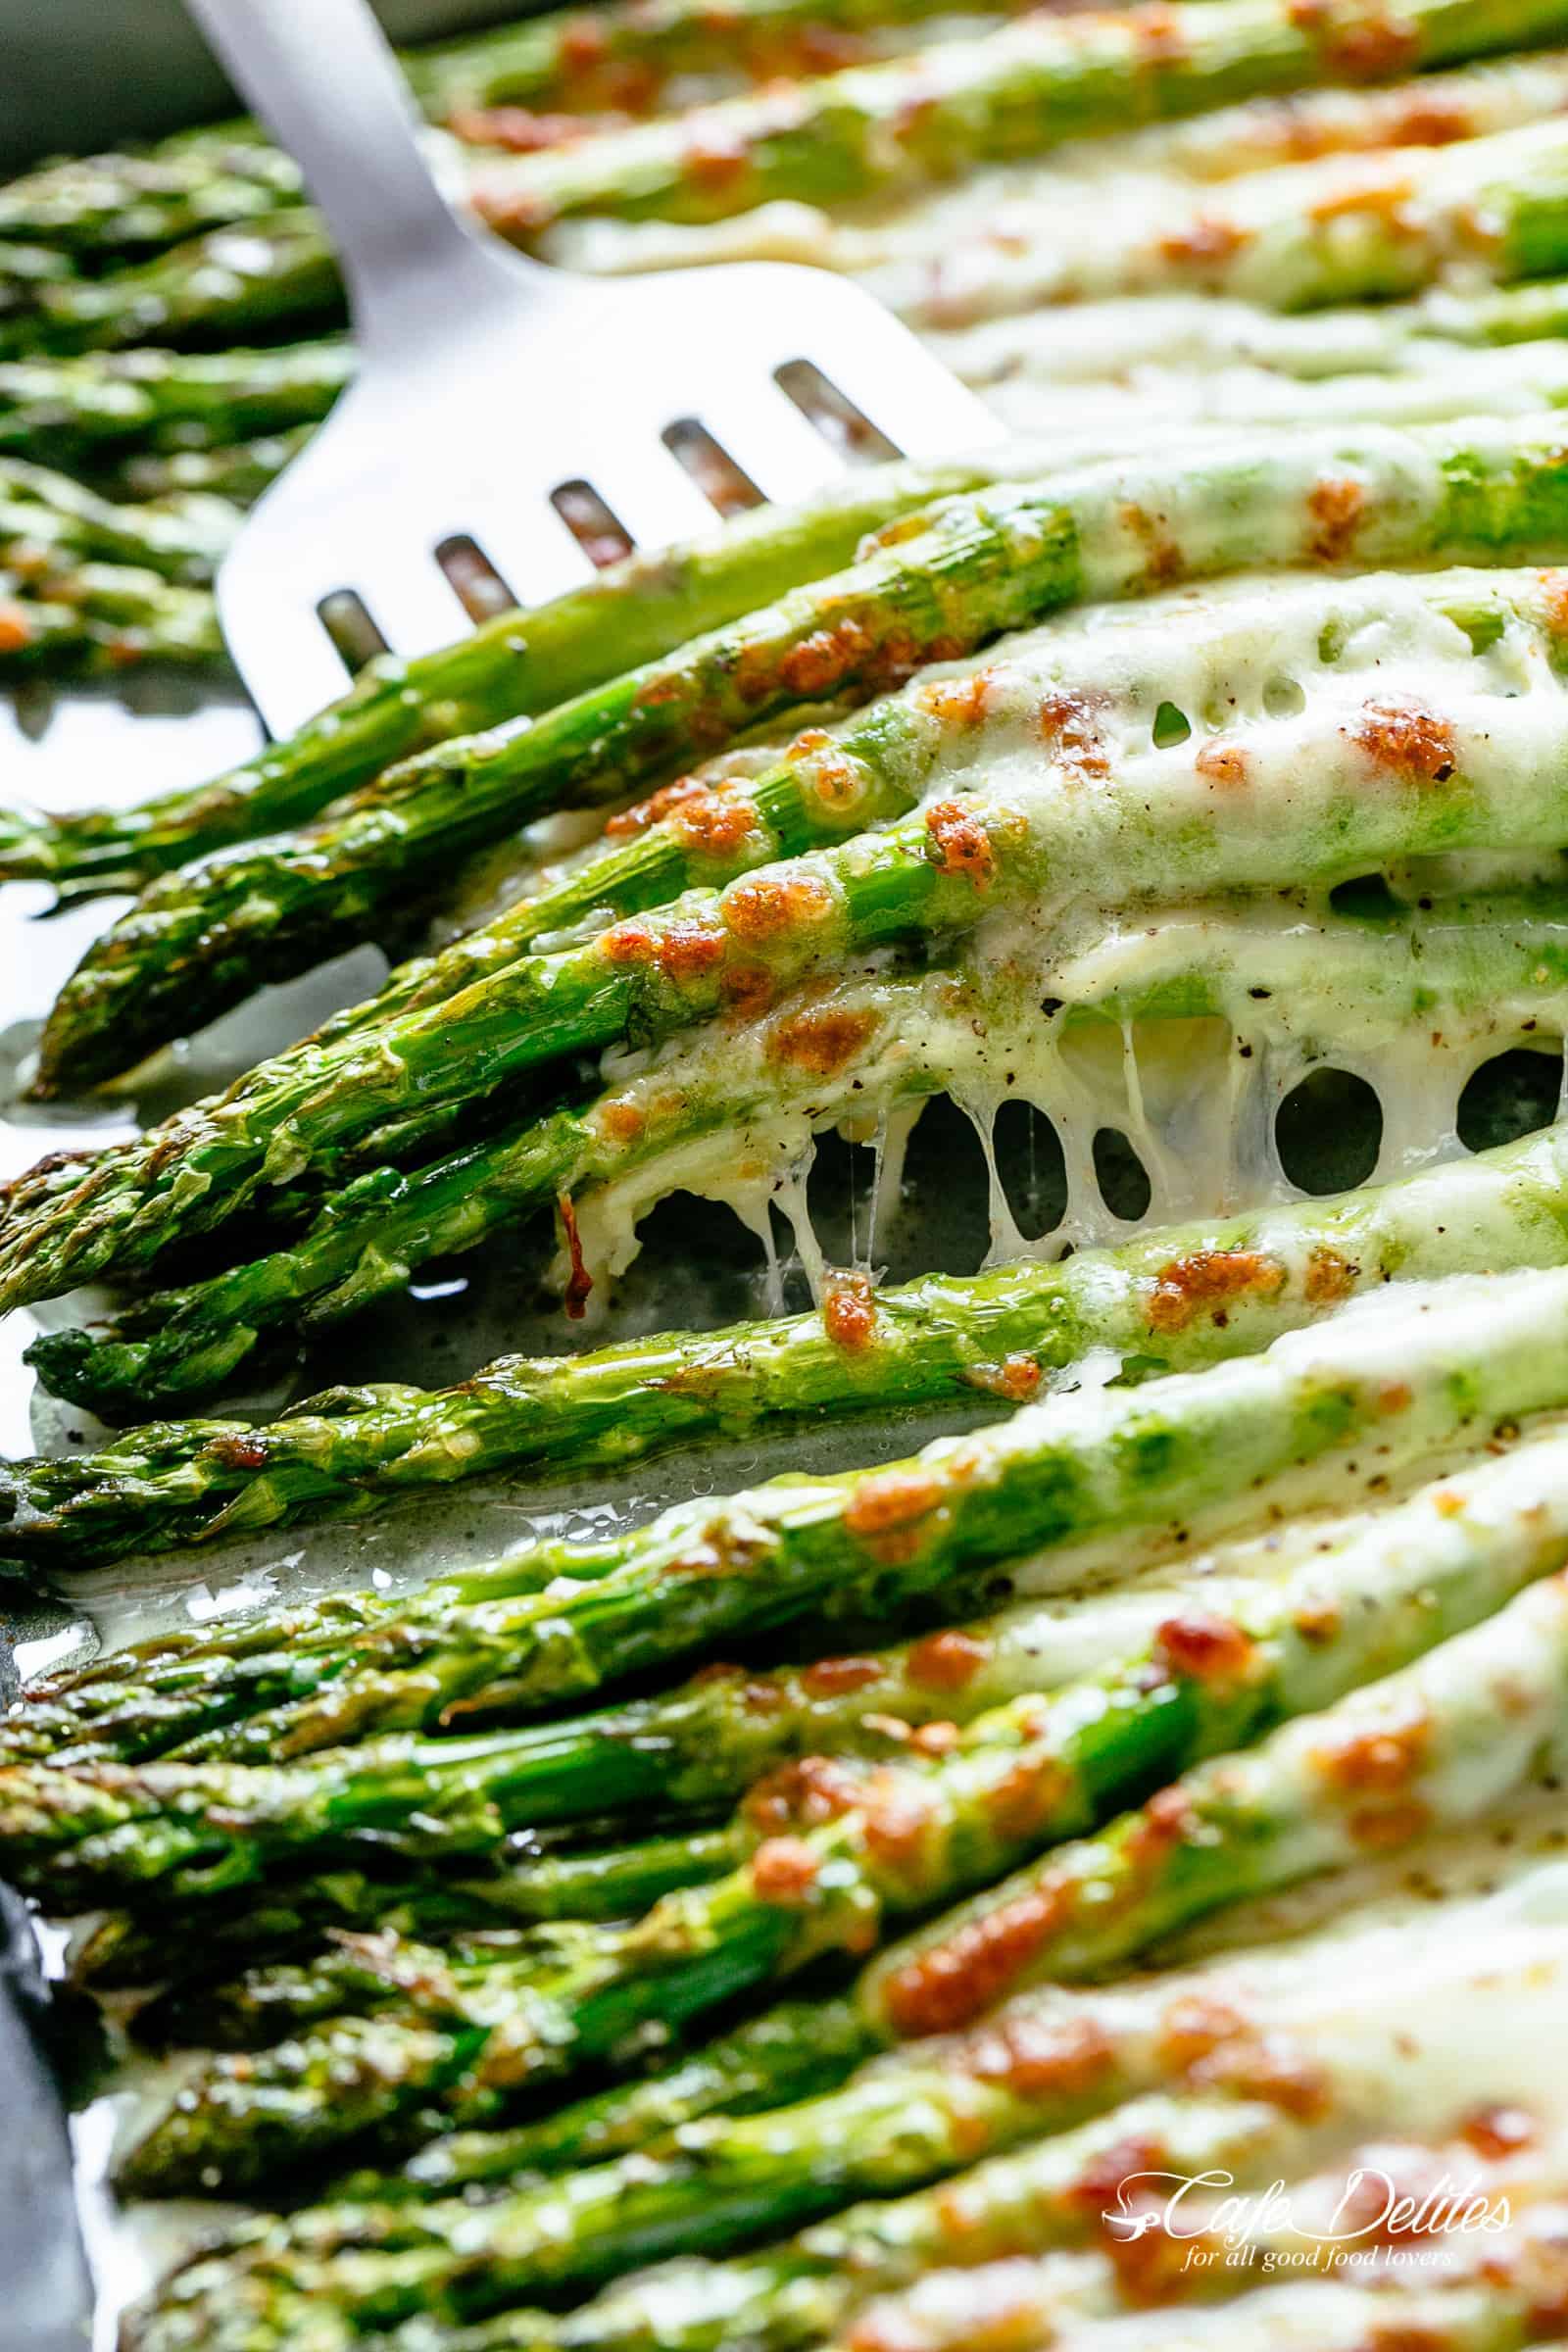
x: 1394, y: 1581
x: 64, y: 523
x: 804, y: 798
x: 1275, y: 2031
x: 231, y: 1932
x: 1388, y: 230
x: 1437, y: 109
x: 102, y: 207
x: 619, y: 59
x: 236, y: 470
x: 633, y: 612
x: 102, y: 618
x: 882, y: 2269
x: 1438, y: 492
x: 361, y: 1972
x: 878, y: 128
x: 408, y: 2263
x: 223, y: 286
x: 902, y: 1839
x: 859, y: 1547
x: 70, y: 410
x: 704, y: 834
x: 1299, y: 2104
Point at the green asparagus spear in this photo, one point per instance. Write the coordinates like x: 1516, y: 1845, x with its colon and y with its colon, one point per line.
x: 934, y: 1530
x: 863, y: 2270
x: 617, y: 59
x: 102, y: 620
x: 1436, y: 1742
x: 64, y: 523
x: 887, y: 1041
x: 225, y: 1933
x: 1316, y: 1792
x: 1391, y: 229
x: 804, y: 798
x: 237, y: 470
x: 386, y: 1966
x: 634, y: 612
x: 1174, y: 1300
x: 878, y: 128
x: 70, y: 410
x: 983, y: 569
x: 696, y: 834
x: 229, y: 284
x: 409, y: 2264
x: 1439, y: 492
x: 104, y: 205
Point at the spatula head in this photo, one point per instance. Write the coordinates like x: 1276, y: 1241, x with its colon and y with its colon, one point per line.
x: 463, y: 431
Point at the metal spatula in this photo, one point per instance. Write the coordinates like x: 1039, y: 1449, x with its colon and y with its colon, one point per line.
x: 487, y: 382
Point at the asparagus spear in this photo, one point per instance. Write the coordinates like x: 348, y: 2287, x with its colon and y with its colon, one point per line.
x: 226, y: 1933
x: 1463, y: 1726
x: 804, y: 797
x: 386, y: 1966
x: 1391, y: 229
x: 102, y: 618
x: 634, y: 613
x: 237, y: 470
x: 104, y: 205
x: 944, y: 2262
x: 275, y: 270
x: 68, y: 411
x: 1305, y: 2028
x: 703, y: 834
x: 878, y: 128
x: 66, y: 523
x: 618, y: 57
x: 893, y: 1041
x: 1438, y: 492
x: 409, y: 2264
x: 498, y: 1638
x: 1305, y: 2082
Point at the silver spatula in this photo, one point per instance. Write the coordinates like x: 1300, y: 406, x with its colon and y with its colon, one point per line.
x: 487, y: 382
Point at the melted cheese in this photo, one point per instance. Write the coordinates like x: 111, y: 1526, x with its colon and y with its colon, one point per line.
x: 1257, y: 992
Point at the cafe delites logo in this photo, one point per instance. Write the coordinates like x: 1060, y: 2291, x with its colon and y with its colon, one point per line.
x: 1377, y: 2216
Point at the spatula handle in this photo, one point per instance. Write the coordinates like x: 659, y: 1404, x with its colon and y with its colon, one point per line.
x: 324, y: 78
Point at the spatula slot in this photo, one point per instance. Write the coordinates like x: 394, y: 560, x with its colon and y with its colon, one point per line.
x: 835, y: 415
x: 347, y: 620
x: 601, y: 534
x: 726, y: 485
x: 477, y: 585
